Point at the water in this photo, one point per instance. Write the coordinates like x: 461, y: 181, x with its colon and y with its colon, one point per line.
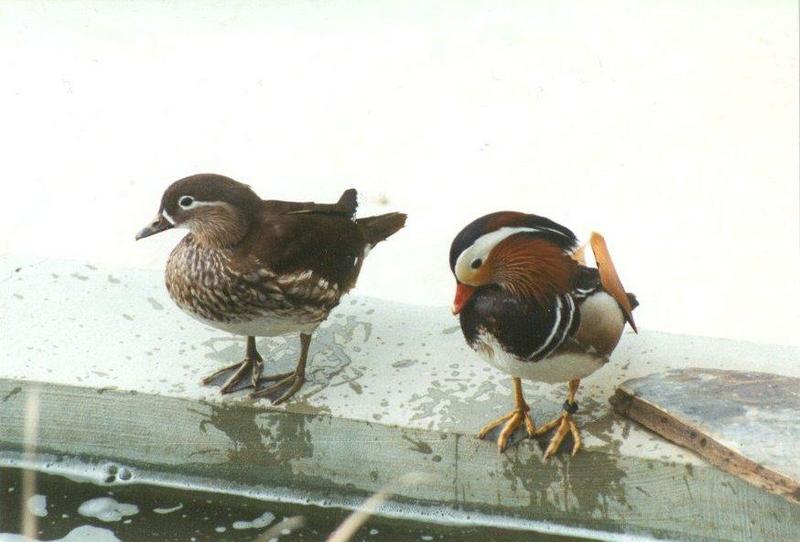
x: 71, y: 511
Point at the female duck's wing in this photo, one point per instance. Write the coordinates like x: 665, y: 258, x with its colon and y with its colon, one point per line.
x: 346, y: 206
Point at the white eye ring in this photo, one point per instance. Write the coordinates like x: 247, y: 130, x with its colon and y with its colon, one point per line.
x: 186, y: 201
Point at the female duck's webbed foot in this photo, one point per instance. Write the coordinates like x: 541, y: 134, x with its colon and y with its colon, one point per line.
x: 245, y: 373
x: 563, y: 425
x: 286, y: 384
x: 511, y: 421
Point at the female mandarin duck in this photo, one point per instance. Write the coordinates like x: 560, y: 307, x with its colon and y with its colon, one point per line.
x: 262, y: 268
x: 530, y: 307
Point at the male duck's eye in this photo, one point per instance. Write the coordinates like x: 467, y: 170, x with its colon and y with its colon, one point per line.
x: 476, y: 263
x: 186, y: 201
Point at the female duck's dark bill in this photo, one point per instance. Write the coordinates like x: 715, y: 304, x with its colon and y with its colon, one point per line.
x: 157, y: 226
x: 463, y: 293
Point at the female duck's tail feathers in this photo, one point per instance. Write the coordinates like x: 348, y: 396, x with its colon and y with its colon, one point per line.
x: 378, y: 228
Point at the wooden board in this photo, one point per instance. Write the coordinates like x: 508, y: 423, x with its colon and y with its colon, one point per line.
x: 746, y: 423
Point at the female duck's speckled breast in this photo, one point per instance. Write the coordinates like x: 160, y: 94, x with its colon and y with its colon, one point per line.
x: 204, y: 283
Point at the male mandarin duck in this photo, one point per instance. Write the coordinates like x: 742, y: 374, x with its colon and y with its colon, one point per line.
x: 262, y: 268
x: 532, y: 308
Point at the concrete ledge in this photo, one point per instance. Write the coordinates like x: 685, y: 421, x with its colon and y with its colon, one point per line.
x: 393, y: 389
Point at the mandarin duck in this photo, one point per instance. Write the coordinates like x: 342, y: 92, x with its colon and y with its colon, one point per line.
x: 261, y: 268
x: 529, y: 305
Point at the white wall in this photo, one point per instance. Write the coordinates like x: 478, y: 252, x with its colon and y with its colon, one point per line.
x: 671, y: 127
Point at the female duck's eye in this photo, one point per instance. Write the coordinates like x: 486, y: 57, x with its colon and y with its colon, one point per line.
x: 186, y: 201
x: 476, y: 263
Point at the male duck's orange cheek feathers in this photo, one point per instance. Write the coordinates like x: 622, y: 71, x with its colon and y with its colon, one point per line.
x: 533, y: 267
x: 463, y: 294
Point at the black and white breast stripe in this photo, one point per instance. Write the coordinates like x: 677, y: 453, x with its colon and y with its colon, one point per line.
x: 524, y: 327
x: 564, y: 323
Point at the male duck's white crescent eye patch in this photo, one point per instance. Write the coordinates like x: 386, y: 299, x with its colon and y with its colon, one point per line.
x: 474, y: 255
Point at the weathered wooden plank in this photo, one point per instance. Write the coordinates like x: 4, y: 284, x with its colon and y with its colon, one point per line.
x: 746, y: 423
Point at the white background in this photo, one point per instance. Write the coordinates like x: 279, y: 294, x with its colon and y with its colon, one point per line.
x: 670, y: 127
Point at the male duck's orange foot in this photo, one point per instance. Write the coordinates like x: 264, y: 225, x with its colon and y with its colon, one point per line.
x: 563, y: 425
x: 508, y: 424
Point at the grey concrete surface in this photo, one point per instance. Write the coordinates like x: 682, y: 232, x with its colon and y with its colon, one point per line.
x: 393, y: 389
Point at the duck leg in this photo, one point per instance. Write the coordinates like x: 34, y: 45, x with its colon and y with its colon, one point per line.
x: 245, y: 373
x: 291, y: 382
x: 511, y: 421
x: 564, y: 424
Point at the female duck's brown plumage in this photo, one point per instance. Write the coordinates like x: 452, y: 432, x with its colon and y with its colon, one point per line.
x: 262, y: 268
x: 531, y: 307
